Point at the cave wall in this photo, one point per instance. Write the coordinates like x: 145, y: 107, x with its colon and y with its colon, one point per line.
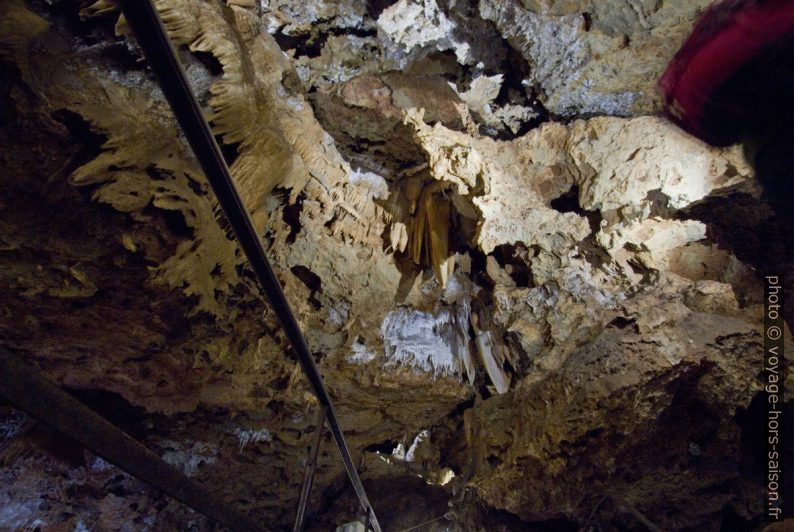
x: 522, y: 286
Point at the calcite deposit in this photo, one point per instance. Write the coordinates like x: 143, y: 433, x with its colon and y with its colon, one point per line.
x: 535, y: 302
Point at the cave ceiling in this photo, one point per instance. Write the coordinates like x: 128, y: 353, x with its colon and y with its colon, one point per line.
x: 525, y: 289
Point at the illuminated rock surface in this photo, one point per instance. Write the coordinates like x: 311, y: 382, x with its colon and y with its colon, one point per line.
x: 525, y: 291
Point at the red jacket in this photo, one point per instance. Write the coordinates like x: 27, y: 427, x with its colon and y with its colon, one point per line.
x: 735, y: 73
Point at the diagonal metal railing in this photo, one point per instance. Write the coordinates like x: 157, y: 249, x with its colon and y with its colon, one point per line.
x: 25, y: 388
x: 161, y: 57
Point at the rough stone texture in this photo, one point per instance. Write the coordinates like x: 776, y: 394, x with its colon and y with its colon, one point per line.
x: 514, y: 316
x: 595, y: 57
x: 617, y: 394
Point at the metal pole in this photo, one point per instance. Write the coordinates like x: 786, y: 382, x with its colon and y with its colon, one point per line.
x: 161, y: 56
x: 27, y: 389
x: 636, y: 513
x: 308, y: 473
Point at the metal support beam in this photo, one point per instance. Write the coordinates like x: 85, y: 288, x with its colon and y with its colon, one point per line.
x: 161, y: 56
x: 308, y: 473
x: 28, y: 390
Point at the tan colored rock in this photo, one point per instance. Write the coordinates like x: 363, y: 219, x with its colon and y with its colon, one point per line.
x: 619, y: 162
x: 547, y: 312
x: 712, y: 297
x: 650, y: 241
x: 503, y: 184
x: 698, y: 261
x: 372, y: 93
x: 342, y: 58
x: 599, y: 404
x: 480, y: 99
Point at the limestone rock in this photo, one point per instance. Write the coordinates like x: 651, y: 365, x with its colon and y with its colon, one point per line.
x: 628, y: 163
x: 544, y: 444
x: 592, y: 57
x: 417, y: 25
x: 511, y: 312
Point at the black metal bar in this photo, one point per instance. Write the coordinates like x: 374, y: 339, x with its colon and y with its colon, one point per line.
x: 28, y: 390
x: 159, y: 52
x: 308, y: 473
x: 636, y: 513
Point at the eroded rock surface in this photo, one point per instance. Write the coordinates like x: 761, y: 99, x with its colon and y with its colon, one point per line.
x: 515, y: 315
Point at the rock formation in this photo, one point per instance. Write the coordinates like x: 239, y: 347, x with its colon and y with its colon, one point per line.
x: 525, y: 290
